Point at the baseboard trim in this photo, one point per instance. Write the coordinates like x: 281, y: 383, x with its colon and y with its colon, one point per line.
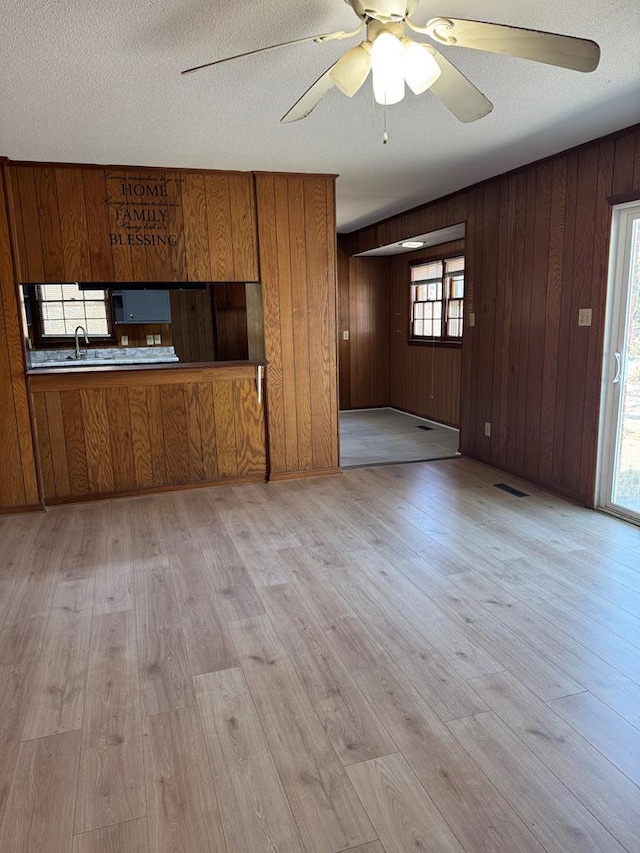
x: 299, y: 475
x: 19, y: 510
x: 155, y: 490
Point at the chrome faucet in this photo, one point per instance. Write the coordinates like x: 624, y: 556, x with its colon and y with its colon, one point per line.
x: 86, y: 340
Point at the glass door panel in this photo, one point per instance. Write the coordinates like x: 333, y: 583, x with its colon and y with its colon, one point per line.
x: 620, y: 456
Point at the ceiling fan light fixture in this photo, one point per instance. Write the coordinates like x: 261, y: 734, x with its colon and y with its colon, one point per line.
x: 352, y: 69
x: 387, y: 64
x: 420, y: 67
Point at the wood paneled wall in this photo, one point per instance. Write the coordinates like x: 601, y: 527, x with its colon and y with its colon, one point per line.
x: 377, y: 365
x: 537, y: 245
x: 424, y: 379
x: 296, y: 236
x: 66, y: 214
x: 192, y: 325
x: 18, y: 481
x: 364, y: 294
x: 128, y: 431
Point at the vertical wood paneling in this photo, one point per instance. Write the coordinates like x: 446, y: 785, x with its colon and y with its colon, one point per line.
x: 74, y: 440
x: 64, y: 221
x: 123, y: 438
x: 538, y: 285
x: 73, y: 224
x: 527, y: 366
x: 140, y: 437
x: 208, y: 432
x: 97, y: 219
x: 368, y: 293
x: 49, y: 225
x: 44, y: 445
x: 273, y: 338
x: 59, y: 452
x: 244, y: 241
x: 344, y: 324
x: 30, y: 257
x: 174, y: 429
x: 249, y: 428
x: 95, y: 418
x: 219, y: 225
x: 194, y: 433
x: 582, y: 263
x: 322, y: 309
x: 422, y: 379
x: 194, y: 212
x: 296, y: 237
x: 295, y: 330
x: 553, y: 310
x: 18, y: 485
x: 175, y: 225
x: 225, y: 430
x: 156, y: 436
x: 290, y: 317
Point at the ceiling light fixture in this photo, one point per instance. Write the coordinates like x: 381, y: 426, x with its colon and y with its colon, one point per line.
x: 412, y: 244
x: 420, y: 67
x: 387, y: 65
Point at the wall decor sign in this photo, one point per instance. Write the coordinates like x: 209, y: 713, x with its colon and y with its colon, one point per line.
x: 142, y: 209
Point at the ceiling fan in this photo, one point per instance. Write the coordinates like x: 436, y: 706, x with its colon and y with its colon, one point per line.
x: 395, y: 59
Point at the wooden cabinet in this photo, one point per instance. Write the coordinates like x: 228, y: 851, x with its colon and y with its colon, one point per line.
x: 141, y: 306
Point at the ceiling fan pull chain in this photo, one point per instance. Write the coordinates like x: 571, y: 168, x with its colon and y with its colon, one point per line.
x: 385, y: 135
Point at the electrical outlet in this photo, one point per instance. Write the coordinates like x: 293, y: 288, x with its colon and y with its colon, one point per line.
x: 124, y: 340
x: 157, y: 339
x: 487, y: 429
x: 584, y: 316
x: 472, y: 319
x: 149, y: 340
x: 345, y: 335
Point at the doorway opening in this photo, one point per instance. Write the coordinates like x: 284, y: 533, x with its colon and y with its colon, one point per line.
x: 619, y: 456
x: 386, y: 436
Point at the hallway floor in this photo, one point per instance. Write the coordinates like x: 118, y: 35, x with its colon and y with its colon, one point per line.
x: 382, y: 436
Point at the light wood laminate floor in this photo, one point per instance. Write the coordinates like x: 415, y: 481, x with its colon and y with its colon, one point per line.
x: 394, y: 659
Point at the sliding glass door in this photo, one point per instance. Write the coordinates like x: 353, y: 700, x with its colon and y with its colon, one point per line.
x: 620, y: 432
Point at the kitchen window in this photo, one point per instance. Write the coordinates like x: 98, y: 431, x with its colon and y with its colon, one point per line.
x: 437, y: 300
x: 60, y: 308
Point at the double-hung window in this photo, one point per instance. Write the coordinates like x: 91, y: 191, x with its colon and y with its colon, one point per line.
x: 61, y: 308
x: 437, y: 300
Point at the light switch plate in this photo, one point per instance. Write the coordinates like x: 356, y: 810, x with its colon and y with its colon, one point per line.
x: 157, y: 339
x: 124, y: 340
x: 345, y: 335
x: 584, y: 316
x: 487, y: 429
x: 149, y: 340
x: 472, y: 319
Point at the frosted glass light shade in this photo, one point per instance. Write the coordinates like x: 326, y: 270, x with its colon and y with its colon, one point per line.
x: 351, y: 70
x: 387, y: 64
x: 420, y: 67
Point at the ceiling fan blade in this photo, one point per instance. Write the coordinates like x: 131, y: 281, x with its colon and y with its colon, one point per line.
x: 311, y: 98
x: 340, y: 34
x: 550, y: 48
x: 352, y: 69
x: 458, y: 94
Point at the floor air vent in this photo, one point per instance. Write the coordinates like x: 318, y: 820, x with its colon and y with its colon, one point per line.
x: 511, y: 490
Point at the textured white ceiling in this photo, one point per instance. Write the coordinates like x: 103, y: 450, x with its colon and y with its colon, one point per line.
x: 98, y: 82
